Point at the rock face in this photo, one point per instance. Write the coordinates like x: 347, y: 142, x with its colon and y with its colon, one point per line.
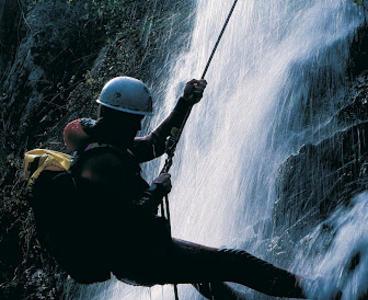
x: 322, y: 176
x: 54, y: 58
x: 333, y: 171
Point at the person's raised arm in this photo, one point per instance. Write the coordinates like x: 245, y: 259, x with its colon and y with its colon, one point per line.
x: 153, y: 145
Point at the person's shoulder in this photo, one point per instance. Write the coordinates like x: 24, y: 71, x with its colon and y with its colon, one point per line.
x: 107, y: 155
x: 103, y: 163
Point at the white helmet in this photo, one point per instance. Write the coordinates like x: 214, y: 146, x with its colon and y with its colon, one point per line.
x: 126, y: 94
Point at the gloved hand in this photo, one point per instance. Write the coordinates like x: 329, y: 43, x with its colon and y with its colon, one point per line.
x: 193, y: 91
x: 163, y: 184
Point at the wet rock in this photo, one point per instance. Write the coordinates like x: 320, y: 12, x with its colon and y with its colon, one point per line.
x: 359, y: 51
x: 356, y: 110
x: 332, y: 172
x: 322, y: 176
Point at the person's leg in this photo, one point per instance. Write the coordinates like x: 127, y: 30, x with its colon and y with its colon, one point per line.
x: 155, y: 264
x: 192, y: 263
x: 177, y: 261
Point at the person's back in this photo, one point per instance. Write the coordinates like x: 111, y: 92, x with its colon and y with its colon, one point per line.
x: 96, y: 215
x: 67, y: 227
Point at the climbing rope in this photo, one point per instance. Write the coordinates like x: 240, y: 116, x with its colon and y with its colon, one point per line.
x: 176, y: 133
x: 219, y: 39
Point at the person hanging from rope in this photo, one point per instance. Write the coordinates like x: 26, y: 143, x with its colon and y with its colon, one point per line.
x: 101, y: 217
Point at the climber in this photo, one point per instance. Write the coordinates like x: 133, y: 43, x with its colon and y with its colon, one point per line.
x: 103, y: 219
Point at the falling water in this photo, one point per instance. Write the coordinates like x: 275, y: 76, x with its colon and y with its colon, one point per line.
x: 337, y: 254
x: 276, y: 80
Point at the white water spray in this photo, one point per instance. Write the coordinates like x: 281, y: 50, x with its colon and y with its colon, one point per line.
x: 337, y: 253
x: 271, y: 65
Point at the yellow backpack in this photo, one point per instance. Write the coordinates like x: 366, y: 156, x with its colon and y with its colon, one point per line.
x: 38, y: 160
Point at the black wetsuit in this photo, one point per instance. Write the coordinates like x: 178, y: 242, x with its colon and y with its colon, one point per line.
x: 104, y: 220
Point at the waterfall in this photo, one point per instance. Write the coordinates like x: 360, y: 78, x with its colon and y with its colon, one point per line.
x: 343, y: 268
x: 274, y: 84
x: 268, y: 69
